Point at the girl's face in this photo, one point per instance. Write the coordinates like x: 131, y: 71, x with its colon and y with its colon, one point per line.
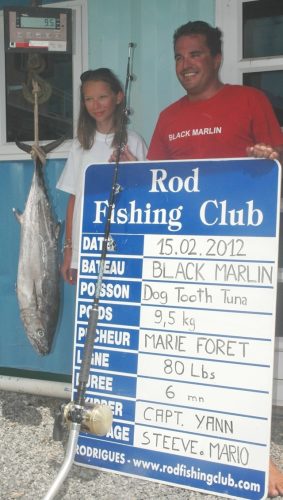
x: 100, y: 102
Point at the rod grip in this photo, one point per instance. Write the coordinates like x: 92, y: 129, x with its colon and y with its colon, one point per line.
x: 88, y: 347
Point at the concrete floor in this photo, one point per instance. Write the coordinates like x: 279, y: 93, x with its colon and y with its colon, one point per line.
x: 277, y: 425
x: 30, y: 459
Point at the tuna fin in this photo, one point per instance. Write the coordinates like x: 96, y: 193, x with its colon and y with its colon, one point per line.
x: 18, y: 215
x: 35, y: 151
x: 47, y: 148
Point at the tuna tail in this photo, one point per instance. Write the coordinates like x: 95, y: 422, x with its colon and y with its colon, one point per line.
x: 38, y: 154
x: 45, y: 149
x: 24, y: 147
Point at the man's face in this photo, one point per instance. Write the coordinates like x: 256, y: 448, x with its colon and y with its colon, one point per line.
x: 196, y: 68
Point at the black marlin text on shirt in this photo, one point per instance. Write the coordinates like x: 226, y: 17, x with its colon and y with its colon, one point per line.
x: 195, y: 132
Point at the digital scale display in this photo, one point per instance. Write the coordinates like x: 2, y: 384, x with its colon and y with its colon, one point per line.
x: 38, y: 28
x: 37, y: 22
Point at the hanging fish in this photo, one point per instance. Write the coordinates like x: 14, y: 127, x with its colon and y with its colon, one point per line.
x: 38, y: 266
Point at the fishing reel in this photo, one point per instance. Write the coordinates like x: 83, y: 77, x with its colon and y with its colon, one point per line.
x: 94, y: 419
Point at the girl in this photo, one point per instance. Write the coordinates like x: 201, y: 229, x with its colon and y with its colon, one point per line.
x: 98, y: 136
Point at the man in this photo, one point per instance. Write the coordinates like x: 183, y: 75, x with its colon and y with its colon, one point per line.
x: 215, y: 120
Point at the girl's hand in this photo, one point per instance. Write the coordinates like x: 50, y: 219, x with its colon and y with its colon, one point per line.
x: 68, y: 273
x: 125, y: 155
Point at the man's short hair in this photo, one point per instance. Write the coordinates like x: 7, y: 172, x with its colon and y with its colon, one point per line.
x: 213, y: 35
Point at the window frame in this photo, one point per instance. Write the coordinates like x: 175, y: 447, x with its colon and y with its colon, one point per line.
x: 228, y: 17
x: 9, y: 151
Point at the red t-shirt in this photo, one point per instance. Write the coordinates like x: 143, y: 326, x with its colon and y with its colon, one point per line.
x: 220, y: 127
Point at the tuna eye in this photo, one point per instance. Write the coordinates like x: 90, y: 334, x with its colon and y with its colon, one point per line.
x: 40, y: 333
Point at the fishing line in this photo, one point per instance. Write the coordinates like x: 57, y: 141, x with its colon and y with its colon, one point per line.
x: 98, y: 419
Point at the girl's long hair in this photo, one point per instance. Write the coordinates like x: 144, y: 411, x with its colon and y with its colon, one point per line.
x: 87, y: 125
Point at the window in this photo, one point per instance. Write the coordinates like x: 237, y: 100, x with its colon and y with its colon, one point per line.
x: 59, y: 75
x: 271, y: 82
x: 262, y: 28
x: 262, y: 37
x: 253, y: 46
x: 53, y: 75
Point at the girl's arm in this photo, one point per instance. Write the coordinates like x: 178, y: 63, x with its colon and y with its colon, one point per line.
x: 66, y: 269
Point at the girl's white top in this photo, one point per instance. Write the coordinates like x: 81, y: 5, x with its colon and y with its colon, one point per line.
x: 72, y: 177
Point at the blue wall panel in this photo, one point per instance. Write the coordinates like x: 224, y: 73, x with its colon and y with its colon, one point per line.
x: 15, y: 349
x: 112, y: 25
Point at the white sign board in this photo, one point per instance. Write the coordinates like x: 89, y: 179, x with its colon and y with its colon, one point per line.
x: 185, y: 337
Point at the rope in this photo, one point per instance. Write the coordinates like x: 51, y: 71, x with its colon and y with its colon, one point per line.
x: 36, y: 150
x: 36, y: 65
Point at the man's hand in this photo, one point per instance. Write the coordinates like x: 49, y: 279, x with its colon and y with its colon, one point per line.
x: 263, y: 151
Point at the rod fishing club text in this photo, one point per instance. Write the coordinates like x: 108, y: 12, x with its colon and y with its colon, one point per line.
x: 212, y: 212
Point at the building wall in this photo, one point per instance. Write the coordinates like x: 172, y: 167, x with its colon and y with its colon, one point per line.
x: 112, y: 24
x: 150, y: 24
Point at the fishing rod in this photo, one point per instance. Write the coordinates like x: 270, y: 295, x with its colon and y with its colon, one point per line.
x: 96, y: 419
x: 107, y: 244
